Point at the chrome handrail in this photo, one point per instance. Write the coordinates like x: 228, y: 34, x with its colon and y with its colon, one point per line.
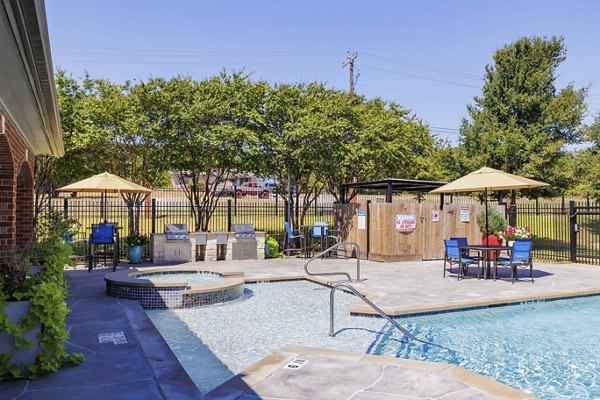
x: 335, y: 246
x: 370, y: 303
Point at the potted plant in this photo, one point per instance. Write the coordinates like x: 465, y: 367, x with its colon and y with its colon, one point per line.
x: 512, y: 233
x: 33, y: 309
x: 71, y: 226
x: 495, y: 223
x: 135, y: 247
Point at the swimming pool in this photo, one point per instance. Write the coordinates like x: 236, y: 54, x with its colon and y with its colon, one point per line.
x: 547, y: 349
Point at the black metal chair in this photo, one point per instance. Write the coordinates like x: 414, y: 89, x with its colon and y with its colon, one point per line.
x: 104, y: 242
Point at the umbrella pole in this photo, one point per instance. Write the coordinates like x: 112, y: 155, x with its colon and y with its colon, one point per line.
x: 105, y: 204
x: 487, y: 238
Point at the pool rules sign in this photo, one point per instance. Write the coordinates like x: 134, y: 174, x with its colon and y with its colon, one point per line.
x: 406, y: 223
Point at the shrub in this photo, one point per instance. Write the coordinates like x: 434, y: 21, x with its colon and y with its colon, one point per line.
x: 136, y: 240
x: 274, y: 247
x: 496, y: 221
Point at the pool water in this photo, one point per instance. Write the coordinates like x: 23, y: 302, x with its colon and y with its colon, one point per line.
x: 547, y: 349
x: 193, y: 278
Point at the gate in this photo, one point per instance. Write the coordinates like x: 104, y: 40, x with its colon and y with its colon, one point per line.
x: 584, y: 233
x: 561, y: 233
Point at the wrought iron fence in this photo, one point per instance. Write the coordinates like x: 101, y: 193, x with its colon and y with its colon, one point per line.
x: 267, y: 216
x: 562, y: 231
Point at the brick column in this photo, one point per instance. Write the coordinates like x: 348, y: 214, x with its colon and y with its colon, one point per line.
x: 16, y: 189
x: 24, y: 205
x: 7, y: 200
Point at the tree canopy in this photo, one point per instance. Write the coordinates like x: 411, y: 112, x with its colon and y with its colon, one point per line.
x: 522, y: 122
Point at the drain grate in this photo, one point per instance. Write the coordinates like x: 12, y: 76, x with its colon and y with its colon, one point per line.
x: 112, y: 337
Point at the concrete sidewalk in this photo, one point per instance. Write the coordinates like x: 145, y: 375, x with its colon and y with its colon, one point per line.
x: 141, y: 367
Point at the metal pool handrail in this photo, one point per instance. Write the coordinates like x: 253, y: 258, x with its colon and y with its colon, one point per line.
x: 370, y: 303
x: 335, y: 246
x: 455, y: 359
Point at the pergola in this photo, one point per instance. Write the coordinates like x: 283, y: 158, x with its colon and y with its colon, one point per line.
x: 391, y: 185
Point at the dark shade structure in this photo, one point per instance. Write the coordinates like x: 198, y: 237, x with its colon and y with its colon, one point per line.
x: 391, y: 185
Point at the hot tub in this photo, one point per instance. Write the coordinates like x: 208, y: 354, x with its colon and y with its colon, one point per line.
x: 175, y: 287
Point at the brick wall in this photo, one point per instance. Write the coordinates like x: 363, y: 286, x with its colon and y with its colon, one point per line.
x: 16, y: 189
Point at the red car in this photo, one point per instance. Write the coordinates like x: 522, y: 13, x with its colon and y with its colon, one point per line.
x: 251, y: 188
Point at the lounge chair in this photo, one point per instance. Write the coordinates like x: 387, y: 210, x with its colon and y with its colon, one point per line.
x: 520, y: 257
x: 453, y: 256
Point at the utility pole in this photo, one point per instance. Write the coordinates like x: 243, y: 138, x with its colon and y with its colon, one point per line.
x: 350, y: 63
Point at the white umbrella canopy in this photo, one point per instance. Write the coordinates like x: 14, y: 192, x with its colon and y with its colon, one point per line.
x: 485, y: 179
x: 105, y: 183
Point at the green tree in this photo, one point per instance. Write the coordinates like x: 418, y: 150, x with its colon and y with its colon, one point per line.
x: 113, y: 127
x: 215, y: 135
x: 522, y: 122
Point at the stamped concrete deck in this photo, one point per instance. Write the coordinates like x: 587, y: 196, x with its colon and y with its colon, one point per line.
x: 331, y: 374
x: 403, y: 288
x: 145, y: 368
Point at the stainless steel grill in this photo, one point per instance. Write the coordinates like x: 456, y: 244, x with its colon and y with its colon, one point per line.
x: 177, y: 232
x: 244, y: 231
x: 244, y: 247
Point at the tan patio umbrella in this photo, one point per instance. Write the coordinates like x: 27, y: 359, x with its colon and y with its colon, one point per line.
x: 105, y: 183
x: 485, y: 179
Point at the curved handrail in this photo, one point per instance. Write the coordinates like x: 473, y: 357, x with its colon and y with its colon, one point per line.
x: 384, y: 315
x: 370, y: 303
x: 335, y: 246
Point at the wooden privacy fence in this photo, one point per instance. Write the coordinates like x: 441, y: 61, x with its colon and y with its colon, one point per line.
x: 407, y: 231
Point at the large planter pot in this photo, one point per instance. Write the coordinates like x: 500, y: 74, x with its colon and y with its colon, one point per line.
x: 135, y: 254
x: 22, y: 357
x: 492, y: 240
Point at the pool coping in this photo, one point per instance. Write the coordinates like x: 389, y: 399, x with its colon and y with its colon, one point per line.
x: 258, y: 379
x: 361, y: 309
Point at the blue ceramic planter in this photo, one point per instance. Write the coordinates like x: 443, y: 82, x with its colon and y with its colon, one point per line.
x: 135, y: 254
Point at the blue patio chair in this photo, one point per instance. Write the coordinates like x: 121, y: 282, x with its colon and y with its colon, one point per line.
x: 462, y: 241
x: 104, y: 242
x: 291, y: 237
x: 519, y: 257
x: 453, y: 256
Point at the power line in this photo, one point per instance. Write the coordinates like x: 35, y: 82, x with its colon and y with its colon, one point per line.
x: 237, y: 53
x: 422, y: 67
x: 196, y: 63
x: 419, y: 77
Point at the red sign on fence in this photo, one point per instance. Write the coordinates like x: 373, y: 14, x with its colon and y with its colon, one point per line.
x: 406, y: 222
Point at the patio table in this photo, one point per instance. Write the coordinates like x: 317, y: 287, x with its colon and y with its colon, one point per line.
x: 483, y: 251
x: 317, y: 238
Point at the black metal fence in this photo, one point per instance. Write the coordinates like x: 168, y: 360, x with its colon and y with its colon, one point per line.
x: 267, y: 216
x: 562, y: 231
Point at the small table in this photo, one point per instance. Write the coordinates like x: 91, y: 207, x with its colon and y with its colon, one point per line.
x: 316, y: 233
x: 483, y: 251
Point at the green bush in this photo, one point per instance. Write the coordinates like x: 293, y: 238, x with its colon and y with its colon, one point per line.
x: 496, y: 221
x: 274, y: 247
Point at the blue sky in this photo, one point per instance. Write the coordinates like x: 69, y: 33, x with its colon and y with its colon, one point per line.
x: 429, y: 56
